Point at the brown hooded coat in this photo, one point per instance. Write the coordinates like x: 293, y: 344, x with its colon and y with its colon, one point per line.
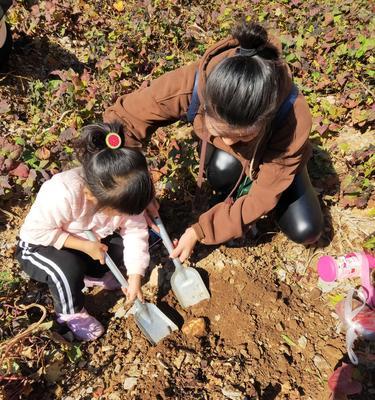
x: 277, y: 159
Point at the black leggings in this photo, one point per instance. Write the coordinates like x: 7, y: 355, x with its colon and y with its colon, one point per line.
x: 298, y: 211
x: 64, y: 270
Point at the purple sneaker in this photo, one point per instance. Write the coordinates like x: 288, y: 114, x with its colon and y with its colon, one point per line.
x: 107, y: 281
x: 84, y: 326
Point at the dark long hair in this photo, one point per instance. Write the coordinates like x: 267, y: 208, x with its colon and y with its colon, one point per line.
x: 118, y: 178
x: 243, y: 89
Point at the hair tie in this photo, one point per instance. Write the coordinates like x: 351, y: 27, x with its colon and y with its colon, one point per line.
x: 247, y: 52
x: 113, y: 140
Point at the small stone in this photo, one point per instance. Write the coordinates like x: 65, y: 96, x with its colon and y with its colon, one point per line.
x: 120, y: 312
x: 195, y: 327
x: 320, y: 363
x: 217, y: 317
x: 279, y: 327
x: 302, y: 342
x: 281, y: 273
x: 177, y: 362
x: 154, y: 278
x: 114, y: 396
x: 230, y: 393
x: 129, y: 383
x: 219, y: 265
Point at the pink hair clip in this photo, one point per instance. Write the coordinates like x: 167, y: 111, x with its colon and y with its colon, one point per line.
x: 113, y: 140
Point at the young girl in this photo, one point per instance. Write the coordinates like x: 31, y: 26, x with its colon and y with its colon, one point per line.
x: 108, y: 193
x: 254, y: 126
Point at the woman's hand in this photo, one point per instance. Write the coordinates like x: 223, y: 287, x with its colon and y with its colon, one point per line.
x: 185, y: 246
x: 134, y: 290
x: 151, y: 212
x: 96, y: 250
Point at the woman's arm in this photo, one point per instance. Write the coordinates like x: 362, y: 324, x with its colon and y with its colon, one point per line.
x: 161, y: 102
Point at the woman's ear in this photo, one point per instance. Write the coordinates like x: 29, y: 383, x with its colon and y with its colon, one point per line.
x: 89, y: 196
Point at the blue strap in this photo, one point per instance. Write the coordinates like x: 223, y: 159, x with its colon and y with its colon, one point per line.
x: 194, y: 103
x: 280, y: 116
x: 286, y: 106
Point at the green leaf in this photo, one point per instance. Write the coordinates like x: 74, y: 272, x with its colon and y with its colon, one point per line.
x: 369, y: 244
x: 74, y: 353
x: 288, y: 340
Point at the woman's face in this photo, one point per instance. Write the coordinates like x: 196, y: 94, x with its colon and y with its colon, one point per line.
x: 229, y: 134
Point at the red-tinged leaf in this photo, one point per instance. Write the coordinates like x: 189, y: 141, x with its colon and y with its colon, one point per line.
x: 4, y: 183
x: 341, y: 381
x: 22, y: 171
x: 361, y: 201
x: 342, y: 78
x: 321, y: 129
x: 175, y: 144
x: 68, y: 134
x: 155, y: 175
x: 4, y: 107
x: 30, y: 179
x: 35, y: 11
x: 359, y: 115
x: 8, y: 165
x: 85, y: 77
x: 328, y: 19
x: 61, y: 74
x: 164, y: 170
x: 334, y: 127
x: 43, y: 153
x: 351, y: 103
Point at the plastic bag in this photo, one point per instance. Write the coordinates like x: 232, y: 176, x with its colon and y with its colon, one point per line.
x: 359, y: 322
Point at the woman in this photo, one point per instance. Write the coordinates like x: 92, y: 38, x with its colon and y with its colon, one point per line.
x: 5, y: 33
x: 254, y: 127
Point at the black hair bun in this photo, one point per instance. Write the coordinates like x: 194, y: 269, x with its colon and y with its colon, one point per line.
x: 250, y: 35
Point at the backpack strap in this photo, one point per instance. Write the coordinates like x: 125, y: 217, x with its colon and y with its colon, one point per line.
x: 195, y: 102
x: 286, y: 106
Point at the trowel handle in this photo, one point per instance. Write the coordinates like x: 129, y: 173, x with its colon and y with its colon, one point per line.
x: 167, y: 241
x: 110, y: 263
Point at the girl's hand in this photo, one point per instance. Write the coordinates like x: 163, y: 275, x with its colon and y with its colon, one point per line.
x: 96, y: 250
x: 134, y: 289
x: 152, y: 211
x: 185, y: 245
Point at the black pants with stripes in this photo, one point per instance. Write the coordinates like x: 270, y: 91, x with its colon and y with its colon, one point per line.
x: 64, y: 270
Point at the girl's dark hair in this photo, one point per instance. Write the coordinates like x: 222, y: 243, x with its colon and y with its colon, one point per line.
x: 243, y: 89
x: 118, y: 178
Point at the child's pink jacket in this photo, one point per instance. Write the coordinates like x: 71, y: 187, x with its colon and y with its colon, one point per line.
x: 61, y: 209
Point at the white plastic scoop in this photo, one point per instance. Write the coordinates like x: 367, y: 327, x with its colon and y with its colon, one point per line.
x: 153, y: 323
x: 186, y: 283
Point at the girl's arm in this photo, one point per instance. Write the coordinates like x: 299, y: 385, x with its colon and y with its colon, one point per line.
x: 95, y: 250
x: 135, y: 239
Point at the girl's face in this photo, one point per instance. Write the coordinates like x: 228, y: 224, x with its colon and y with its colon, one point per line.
x: 108, y: 211
x: 230, y: 135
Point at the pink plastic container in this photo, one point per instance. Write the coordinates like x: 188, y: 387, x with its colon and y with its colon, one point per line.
x: 349, y: 266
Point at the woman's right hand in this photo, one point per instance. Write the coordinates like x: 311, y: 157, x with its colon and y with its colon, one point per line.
x: 151, y: 212
x: 96, y: 250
